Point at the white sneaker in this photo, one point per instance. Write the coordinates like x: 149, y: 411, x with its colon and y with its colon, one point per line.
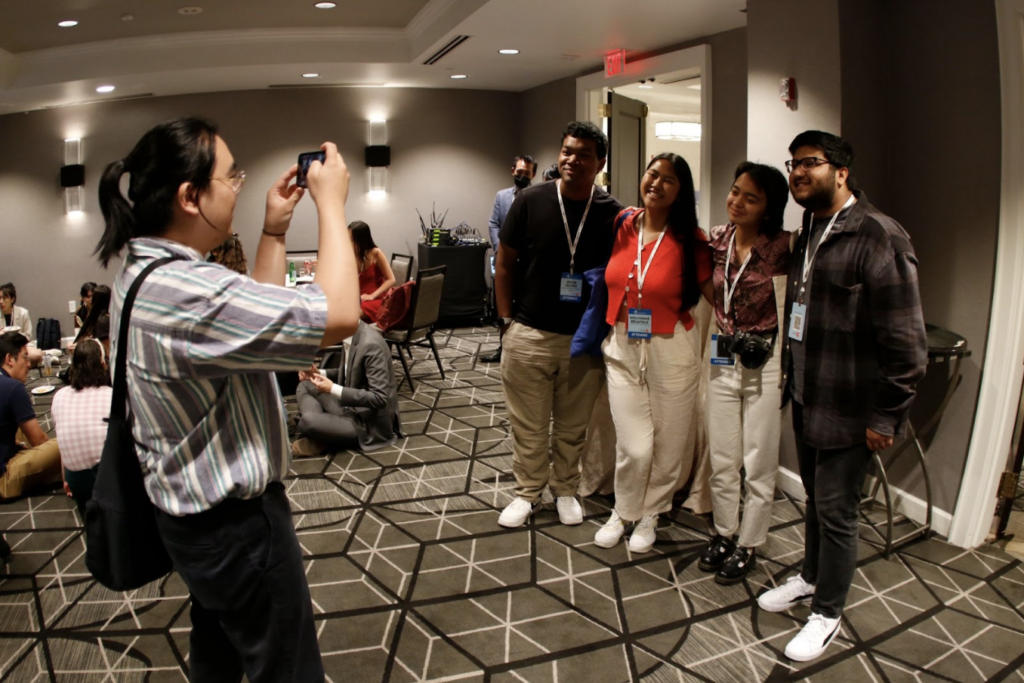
x: 608, y: 536
x: 785, y: 596
x: 569, y: 510
x: 517, y: 512
x: 813, y: 638
x: 644, y: 533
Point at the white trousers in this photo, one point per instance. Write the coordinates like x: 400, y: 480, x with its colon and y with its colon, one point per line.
x: 744, y: 424
x: 654, y: 419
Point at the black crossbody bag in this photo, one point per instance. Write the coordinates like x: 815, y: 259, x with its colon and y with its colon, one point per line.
x: 123, y: 547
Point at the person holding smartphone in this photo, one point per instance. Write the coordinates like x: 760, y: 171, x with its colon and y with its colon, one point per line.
x: 208, y: 419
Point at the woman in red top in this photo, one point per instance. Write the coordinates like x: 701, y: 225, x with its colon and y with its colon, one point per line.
x: 659, y: 260
x: 375, y: 275
x: 751, y: 256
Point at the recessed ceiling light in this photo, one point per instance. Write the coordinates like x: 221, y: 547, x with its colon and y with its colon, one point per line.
x: 105, y: 88
x: 644, y: 86
x: 190, y: 10
x: 508, y: 51
x: 311, y: 75
x: 458, y: 76
x: 67, y: 24
x: 127, y: 17
x: 325, y: 5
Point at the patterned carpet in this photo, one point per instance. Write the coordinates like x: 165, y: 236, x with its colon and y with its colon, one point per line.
x: 412, y: 580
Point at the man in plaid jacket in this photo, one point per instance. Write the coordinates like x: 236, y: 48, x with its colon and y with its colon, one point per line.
x: 854, y: 348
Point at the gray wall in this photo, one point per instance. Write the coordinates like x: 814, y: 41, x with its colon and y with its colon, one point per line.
x: 451, y: 147
x: 543, y: 113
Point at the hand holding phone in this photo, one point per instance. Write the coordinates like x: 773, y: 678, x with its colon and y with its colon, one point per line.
x: 305, y: 160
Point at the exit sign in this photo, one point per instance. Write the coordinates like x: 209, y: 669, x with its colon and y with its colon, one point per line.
x: 614, y: 63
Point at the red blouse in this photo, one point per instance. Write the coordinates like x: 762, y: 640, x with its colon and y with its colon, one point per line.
x: 663, y: 285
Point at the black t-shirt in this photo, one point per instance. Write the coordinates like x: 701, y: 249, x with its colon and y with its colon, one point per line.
x: 534, y: 228
x: 15, y: 409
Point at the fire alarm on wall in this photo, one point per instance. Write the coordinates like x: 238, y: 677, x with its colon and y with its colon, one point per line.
x: 787, y: 90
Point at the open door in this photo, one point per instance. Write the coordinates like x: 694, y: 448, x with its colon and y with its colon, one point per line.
x: 627, y: 139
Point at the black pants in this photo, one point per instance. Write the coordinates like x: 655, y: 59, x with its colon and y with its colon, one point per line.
x: 833, y: 480
x: 251, y: 609
x: 81, y: 482
x: 324, y: 420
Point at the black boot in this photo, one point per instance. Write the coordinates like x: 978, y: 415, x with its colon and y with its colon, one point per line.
x: 718, y: 550
x: 5, y: 550
x: 737, y: 566
x: 494, y: 357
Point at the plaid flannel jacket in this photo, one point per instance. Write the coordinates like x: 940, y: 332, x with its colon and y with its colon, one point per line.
x: 864, y: 333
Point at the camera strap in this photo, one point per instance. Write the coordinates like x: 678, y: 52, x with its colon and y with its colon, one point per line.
x: 727, y: 289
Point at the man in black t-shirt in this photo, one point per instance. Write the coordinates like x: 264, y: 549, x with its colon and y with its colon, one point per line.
x: 552, y: 234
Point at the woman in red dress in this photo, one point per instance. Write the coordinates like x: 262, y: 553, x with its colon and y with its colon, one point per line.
x: 375, y: 275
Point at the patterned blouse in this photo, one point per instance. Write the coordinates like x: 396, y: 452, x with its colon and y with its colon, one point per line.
x: 753, y: 302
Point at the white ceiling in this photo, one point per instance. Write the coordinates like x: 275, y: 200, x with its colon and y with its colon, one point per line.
x: 255, y: 44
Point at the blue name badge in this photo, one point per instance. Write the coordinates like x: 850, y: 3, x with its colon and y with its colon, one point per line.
x: 639, y: 325
x: 797, y: 321
x: 570, y: 288
x: 719, y: 353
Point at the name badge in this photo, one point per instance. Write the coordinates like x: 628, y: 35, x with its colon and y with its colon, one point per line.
x: 797, y: 321
x: 639, y: 323
x: 571, y: 288
x: 720, y: 350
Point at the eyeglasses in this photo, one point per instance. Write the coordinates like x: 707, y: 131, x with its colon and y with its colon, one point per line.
x: 234, y: 181
x: 807, y: 163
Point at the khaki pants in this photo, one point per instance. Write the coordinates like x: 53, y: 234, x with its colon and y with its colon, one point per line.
x: 655, y: 423
x: 549, y: 398
x: 30, y: 468
x: 744, y: 427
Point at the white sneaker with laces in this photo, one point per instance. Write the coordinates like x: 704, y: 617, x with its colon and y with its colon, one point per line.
x: 608, y: 536
x: 516, y: 513
x: 813, y: 638
x: 644, y: 533
x: 785, y: 596
x: 569, y: 510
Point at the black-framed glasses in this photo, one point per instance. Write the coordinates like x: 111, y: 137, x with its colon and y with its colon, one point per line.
x: 807, y: 163
x: 234, y: 181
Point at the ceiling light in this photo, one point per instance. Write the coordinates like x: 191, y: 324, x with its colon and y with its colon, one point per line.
x: 508, y: 51
x: 67, y: 24
x: 325, y: 5
x: 684, y: 131
x: 311, y: 75
x: 458, y: 76
x: 190, y: 10
x: 645, y: 86
x: 105, y: 88
x: 127, y: 17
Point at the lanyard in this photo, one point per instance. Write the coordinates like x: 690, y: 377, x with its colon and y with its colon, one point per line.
x: 565, y: 222
x: 642, y: 275
x: 729, y: 291
x: 824, y: 236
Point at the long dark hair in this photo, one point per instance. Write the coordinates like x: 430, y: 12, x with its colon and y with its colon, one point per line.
x: 172, y: 153
x: 230, y: 255
x: 100, y: 307
x: 776, y: 192
x: 87, y: 369
x: 682, y: 220
x: 363, y: 240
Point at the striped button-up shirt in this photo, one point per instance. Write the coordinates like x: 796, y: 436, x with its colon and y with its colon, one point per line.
x: 203, y: 343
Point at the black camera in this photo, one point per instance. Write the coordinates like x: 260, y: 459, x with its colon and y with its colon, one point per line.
x: 751, y: 349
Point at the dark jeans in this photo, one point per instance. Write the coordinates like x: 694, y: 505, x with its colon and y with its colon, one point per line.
x: 81, y: 482
x: 833, y: 480
x: 251, y: 609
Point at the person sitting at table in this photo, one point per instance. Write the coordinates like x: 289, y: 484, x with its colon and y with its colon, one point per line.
x: 97, y: 323
x: 85, y: 302
x: 375, y: 275
x: 22, y: 466
x: 79, y: 412
x: 359, y: 410
x: 18, y: 319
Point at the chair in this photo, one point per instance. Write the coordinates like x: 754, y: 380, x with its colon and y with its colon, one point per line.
x: 423, y: 314
x: 401, y: 266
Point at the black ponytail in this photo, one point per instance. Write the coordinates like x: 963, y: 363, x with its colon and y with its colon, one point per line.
x: 172, y: 153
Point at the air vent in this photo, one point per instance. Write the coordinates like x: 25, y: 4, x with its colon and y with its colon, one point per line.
x: 454, y: 43
x: 97, y: 101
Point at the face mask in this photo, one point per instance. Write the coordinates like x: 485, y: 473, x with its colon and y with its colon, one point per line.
x: 521, y: 181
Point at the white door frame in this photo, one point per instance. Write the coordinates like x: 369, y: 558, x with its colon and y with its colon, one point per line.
x: 1003, y: 370
x: 697, y: 58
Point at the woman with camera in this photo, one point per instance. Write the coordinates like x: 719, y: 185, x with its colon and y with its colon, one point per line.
x: 659, y: 260
x: 751, y: 256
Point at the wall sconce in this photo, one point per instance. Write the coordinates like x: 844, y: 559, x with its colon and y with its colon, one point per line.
x: 378, y: 158
x: 72, y: 177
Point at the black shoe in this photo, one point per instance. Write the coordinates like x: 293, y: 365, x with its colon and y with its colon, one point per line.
x: 718, y: 550
x: 492, y: 357
x: 5, y: 550
x: 737, y: 566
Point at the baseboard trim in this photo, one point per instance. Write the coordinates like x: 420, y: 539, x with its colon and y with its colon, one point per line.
x: 911, y: 506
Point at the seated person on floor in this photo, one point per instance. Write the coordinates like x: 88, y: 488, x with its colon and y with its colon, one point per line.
x: 97, y: 324
x: 359, y: 410
x: 85, y: 303
x: 22, y: 466
x: 18, y: 318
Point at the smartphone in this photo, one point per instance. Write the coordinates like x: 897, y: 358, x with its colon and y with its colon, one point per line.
x: 305, y: 159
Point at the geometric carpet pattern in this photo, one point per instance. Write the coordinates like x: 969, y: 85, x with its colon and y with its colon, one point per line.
x: 413, y: 580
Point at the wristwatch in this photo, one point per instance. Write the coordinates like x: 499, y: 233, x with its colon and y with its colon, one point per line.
x: 502, y: 322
